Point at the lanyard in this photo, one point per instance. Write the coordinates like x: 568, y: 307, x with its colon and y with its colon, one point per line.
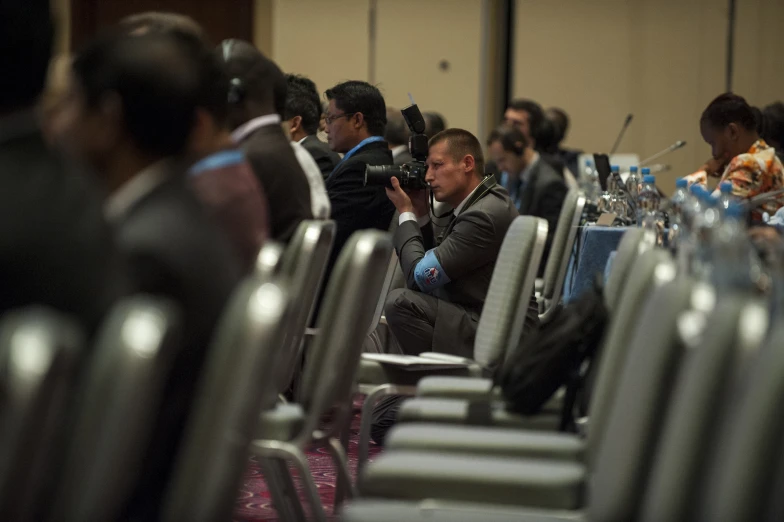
x: 222, y: 159
x: 361, y: 144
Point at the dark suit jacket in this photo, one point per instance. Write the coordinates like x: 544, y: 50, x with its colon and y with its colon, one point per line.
x: 403, y: 157
x: 355, y: 206
x: 542, y: 197
x: 285, y: 185
x: 175, y: 250
x: 326, y: 158
x: 466, y: 253
x: 55, y: 246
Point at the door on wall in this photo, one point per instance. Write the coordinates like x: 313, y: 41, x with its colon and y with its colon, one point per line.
x: 220, y: 20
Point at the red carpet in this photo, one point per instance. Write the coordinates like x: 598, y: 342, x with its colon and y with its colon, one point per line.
x: 254, y: 503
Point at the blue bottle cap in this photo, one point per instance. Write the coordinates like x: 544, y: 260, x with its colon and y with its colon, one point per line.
x: 633, y: 168
x: 615, y: 168
x: 649, y: 179
x: 697, y: 189
x: 726, y: 187
x: 734, y: 211
x: 588, y: 163
x: 646, y: 171
x: 681, y: 183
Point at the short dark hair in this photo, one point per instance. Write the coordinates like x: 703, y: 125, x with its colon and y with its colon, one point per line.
x: 508, y: 136
x: 560, y: 121
x: 161, y: 22
x: 773, y: 124
x: 535, y: 114
x: 357, y: 96
x: 396, y: 132
x: 434, y: 123
x: 729, y: 108
x: 214, y: 83
x: 460, y: 144
x: 26, y: 37
x: 261, y: 79
x: 157, y: 80
x: 302, y: 99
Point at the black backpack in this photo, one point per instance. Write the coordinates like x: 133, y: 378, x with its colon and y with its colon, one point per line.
x: 552, y: 356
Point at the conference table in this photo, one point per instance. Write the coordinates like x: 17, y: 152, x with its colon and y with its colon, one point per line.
x: 593, y: 250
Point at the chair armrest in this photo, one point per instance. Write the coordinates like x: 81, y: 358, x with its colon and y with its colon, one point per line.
x: 458, y: 411
x: 501, y: 480
x: 471, y: 388
x: 374, y: 510
x: 489, y: 441
x: 448, y: 357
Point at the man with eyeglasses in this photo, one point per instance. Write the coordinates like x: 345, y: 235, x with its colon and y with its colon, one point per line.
x: 355, y: 119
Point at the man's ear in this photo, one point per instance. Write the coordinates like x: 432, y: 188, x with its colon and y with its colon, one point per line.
x: 295, y: 124
x: 110, y: 108
x: 358, y: 119
x: 469, y: 163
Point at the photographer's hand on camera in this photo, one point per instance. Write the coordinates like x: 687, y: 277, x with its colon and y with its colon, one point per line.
x: 408, y: 201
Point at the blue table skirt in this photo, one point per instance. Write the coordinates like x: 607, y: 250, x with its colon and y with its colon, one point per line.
x: 592, y: 251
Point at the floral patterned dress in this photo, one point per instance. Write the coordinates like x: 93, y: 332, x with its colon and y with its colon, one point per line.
x: 756, y: 172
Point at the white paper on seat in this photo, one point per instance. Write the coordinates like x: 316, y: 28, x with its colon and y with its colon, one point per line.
x: 446, y: 357
x: 413, y: 362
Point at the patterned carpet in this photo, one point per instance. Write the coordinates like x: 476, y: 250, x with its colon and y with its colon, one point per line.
x: 254, y: 503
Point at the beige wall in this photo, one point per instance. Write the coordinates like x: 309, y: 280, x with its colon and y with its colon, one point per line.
x: 329, y: 41
x: 759, y: 60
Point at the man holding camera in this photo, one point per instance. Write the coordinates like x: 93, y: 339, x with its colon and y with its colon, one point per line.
x: 447, y: 278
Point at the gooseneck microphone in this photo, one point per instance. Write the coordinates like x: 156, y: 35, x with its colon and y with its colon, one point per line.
x: 675, y: 146
x: 626, y: 123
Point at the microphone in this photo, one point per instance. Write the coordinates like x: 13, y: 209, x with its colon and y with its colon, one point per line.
x: 659, y: 167
x: 675, y: 146
x: 623, y: 131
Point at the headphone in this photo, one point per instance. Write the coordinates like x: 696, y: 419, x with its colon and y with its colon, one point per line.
x: 236, y: 85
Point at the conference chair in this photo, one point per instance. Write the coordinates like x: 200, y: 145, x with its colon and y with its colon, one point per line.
x: 269, y: 259
x: 632, y: 430
x: 745, y: 470
x: 500, y: 326
x: 39, y: 352
x: 238, y: 375
x: 651, y: 270
x: 719, y: 349
x: 303, y: 265
x: 118, y: 400
x: 560, y: 252
x: 286, y: 431
x: 633, y: 244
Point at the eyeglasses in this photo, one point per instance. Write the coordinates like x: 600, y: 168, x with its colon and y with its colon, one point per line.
x: 329, y: 118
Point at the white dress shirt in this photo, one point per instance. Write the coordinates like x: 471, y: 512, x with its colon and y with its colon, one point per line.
x: 397, y: 151
x: 133, y: 190
x: 319, y: 201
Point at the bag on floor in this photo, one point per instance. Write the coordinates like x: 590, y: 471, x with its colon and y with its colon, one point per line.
x: 552, y: 356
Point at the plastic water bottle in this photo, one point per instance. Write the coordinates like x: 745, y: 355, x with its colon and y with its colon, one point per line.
x: 633, y: 185
x: 617, y: 194
x: 590, y: 183
x: 733, y: 257
x: 648, y: 201
x: 706, y: 223
x: 677, y: 202
x: 726, y: 199
x: 687, y: 244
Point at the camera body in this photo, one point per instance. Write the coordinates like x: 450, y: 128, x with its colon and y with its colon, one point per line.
x: 411, y: 175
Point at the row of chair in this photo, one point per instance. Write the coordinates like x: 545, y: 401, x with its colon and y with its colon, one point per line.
x: 683, y: 422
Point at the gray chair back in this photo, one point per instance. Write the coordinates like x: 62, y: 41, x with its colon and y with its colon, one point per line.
x: 238, y: 373
x: 635, y: 241
x: 392, y: 267
x: 644, y: 389
x: 120, y: 396
x: 742, y: 481
x: 701, y: 392
x: 653, y: 269
x: 510, y: 291
x: 303, y: 265
x: 561, y: 249
x: 344, y: 321
x: 268, y: 261
x: 39, y: 351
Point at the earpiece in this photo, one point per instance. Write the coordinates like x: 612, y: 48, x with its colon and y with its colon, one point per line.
x: 236, y: 87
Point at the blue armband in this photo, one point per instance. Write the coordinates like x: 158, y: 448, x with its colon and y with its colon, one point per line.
x: 429, y: 274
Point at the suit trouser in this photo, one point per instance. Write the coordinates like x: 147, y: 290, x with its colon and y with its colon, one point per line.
x: 412, y: 317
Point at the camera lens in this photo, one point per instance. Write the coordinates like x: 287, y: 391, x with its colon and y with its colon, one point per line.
x: 380, y: 175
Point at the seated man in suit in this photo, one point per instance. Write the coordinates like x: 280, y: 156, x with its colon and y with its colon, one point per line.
x: 301, y: 118
x: 355, y: 124
x: 397, y: 135
x: 257, y: 97
x: 536, y: 188
x: 57, y: 249
x: 135, y: 100
x: 220, y: 173
x: 447, y: 278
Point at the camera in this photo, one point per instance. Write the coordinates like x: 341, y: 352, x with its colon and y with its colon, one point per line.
x: 411, y: 175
